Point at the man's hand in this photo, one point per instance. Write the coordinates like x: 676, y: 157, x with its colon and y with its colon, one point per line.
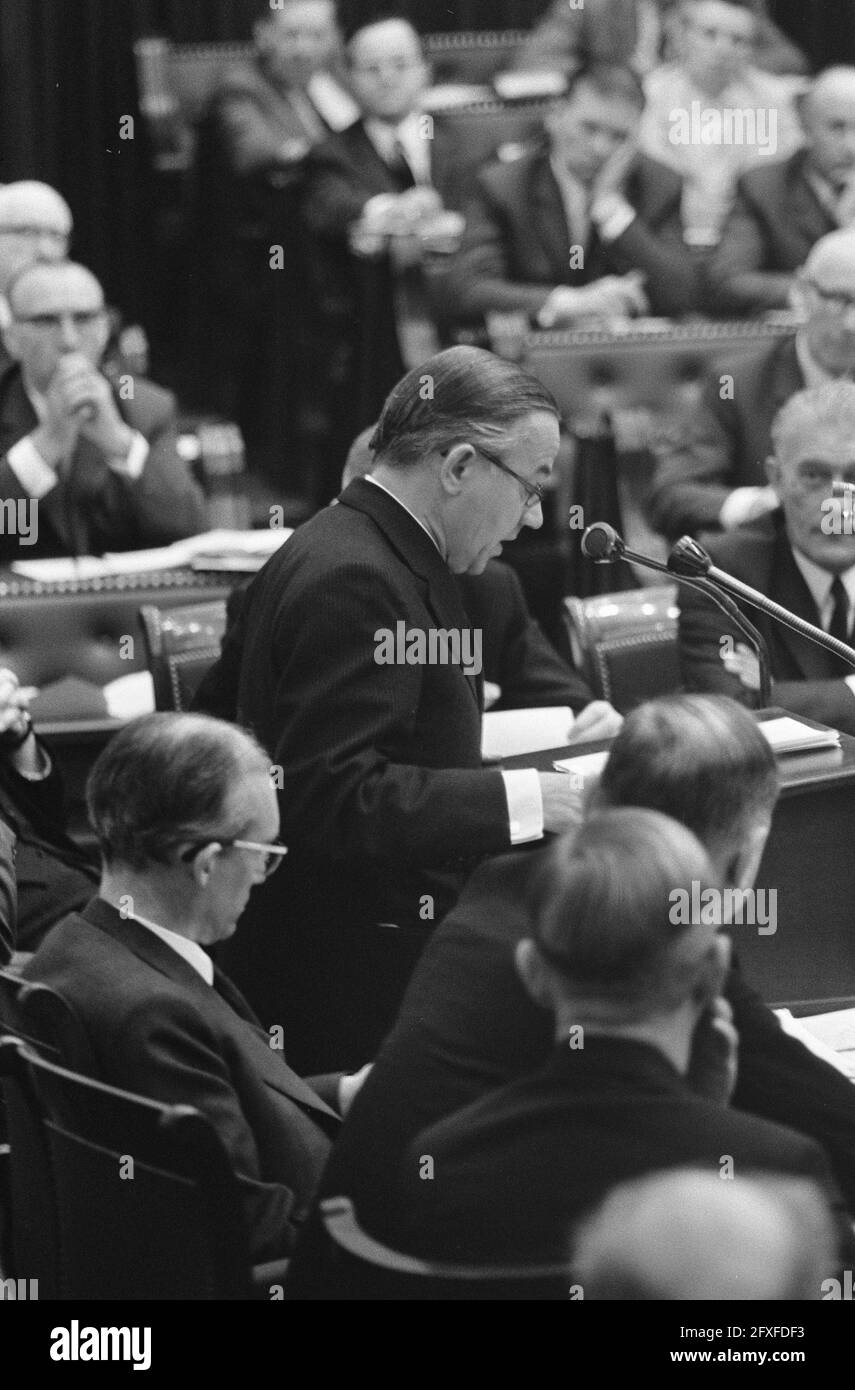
x: 612, y: 178
x: 562, y: 802
x: 743, y: 663
x: 88, y: 396
x: 28, y: 758
x: 713, y: 1064
x: 597, y: 720
x: 349, y: 1087
x: 611, y: 297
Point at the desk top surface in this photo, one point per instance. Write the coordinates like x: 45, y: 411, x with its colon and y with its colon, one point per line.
x: 799, y: 772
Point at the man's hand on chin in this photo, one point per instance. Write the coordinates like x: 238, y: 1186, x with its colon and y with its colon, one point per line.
x: 597, y: 720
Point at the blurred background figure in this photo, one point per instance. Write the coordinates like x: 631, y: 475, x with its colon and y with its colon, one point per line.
x: 684, y: 122
x: 686, y: 1234
x: 35, y: 225
x: 782, y: 209
x: 259, y: 350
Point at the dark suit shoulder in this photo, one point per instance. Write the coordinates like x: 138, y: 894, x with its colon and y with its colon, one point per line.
x: 769, y: 183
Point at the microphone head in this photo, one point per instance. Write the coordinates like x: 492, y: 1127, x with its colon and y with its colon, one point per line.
x: 687, y: 557
x: 601, y: 542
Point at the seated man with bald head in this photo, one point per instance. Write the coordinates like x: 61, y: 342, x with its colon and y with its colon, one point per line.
x: 802, y: 555
x: 85, y: 466
x: 783, y: 208
x: 35, y: 225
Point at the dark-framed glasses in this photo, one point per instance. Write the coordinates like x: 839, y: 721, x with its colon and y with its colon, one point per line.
x: 535, y: 493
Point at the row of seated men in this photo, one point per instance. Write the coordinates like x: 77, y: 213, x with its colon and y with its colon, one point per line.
x: 588, y: 224
x: 89, y: 455
x: 564, y: 1033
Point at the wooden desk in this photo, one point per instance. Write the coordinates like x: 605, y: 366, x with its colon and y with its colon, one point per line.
x: 810, y: 862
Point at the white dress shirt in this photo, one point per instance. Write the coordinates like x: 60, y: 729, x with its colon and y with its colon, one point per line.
x: 522, y: 786
x: 192, y: 952
x: 39, y: 478
x: 410, y: 134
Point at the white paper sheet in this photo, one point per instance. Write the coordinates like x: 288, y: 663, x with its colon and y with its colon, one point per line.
x: 513, y: 732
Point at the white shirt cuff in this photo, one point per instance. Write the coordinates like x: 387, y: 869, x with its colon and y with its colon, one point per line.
x: 613, y: 219
x: 525, y: 804
x: 850, y: 681
x: 132, y: 465
x: 34, y: 475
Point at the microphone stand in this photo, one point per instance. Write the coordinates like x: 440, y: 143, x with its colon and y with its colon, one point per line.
x: 721, y: 601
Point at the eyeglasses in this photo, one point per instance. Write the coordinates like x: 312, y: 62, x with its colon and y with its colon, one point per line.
x: 85, y: 318
x: 273, y: 854
x: 396, y: 66
x: 836, y: 300
x: 34, y: 230
x: 535, y: 493
x: 823, y: 478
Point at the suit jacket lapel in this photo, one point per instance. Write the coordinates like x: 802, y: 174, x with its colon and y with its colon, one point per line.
x: 804, y: 209
x: 549, y: 217
x: 789, y: 587
x: 419, y: 553
x: 148, y: 947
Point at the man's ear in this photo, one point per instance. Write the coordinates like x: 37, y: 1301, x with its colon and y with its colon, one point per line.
x: 202, y: 864
x: 9, y: 333
x: 746, y: 862
x: 534, y: 973
x: 454, y: 466
x: 714, y: 969
x: 773, y: 473
x: 798, y: 297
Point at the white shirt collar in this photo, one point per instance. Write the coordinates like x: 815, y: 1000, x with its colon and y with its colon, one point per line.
x: 370, y: 479
x: 190, y: 950
x: 819, y: 581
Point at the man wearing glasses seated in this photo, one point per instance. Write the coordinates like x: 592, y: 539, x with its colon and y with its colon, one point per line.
x: 187, y: 821
x: 711, y: 459
x: 802, y: 555
x: 85, y: 465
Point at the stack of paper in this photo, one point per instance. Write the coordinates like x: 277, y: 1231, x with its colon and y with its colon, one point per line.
x: 254, y: 546
x: 788, y: 735
x: 516, y: 732
x: 830, y: 1036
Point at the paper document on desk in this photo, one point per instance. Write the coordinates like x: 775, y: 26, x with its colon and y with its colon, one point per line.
x: 514, y: 732
x: 167, y: 557
x: 585, y: 767
x: 788, y: 735
x: 829, y: 1036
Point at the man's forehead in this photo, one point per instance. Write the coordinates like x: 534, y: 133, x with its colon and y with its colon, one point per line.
x: 302, y: 12
x: 51, y: 290
x: 389, y: 38
x: 717, y: 14
x: 37, y: 207
x: 834, y: 95
x: 808, y: 444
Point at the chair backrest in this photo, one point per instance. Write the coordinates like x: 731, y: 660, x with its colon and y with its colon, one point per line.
x: 144, y: 1201
x: 364, y: 1268
x: 626, y: 643
x: 182, y: 644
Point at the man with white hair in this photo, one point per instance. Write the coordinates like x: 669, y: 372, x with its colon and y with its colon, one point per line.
x: 782, y: 209
x: 710, y: 470
x: 802, y: 555
x: 35, y: 225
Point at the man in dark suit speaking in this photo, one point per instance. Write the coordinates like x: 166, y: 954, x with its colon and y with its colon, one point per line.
x: 85, y: 466
x: 187, y: 821
x: 386, y: 806
x: 802, y: 556
x: 581, y: 227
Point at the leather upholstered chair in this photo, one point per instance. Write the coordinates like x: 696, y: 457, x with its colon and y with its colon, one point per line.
x: 626, y: 644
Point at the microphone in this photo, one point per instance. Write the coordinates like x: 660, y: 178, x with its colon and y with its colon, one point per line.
x: 689, y: 557
x: 602, y: 544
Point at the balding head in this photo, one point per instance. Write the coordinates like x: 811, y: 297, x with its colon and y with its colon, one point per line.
x: 35, y: 224
x: 56, y: 307
x: 687, y: 1235
x: 828, y: 117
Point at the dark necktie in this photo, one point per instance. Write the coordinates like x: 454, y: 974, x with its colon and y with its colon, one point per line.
x: 839, y: 625
x: 400, y: 167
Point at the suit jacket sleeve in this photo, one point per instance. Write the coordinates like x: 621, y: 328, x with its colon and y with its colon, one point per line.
x: 341, y: 789
x: 251, y: 142
x: 694, y: 466
x: 166, y: 503
x: 479, y: 278
x: 532, y: 673
x: 738, y: 278
x: 173, y: 1056
x: 661, y: 253
x: 8, y: 894
x: 780, y: 1079
x: 335, y: 196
